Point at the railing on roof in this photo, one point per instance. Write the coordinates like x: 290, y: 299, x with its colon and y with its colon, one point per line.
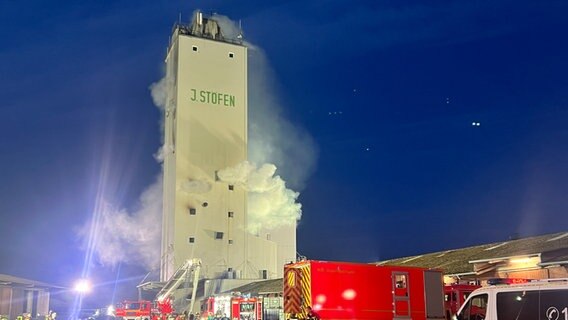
x: 207, y: 27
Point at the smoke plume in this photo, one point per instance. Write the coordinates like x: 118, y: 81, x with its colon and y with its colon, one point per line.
x: 272, y: 137
x: 270, y: 203
x: 119, y: 236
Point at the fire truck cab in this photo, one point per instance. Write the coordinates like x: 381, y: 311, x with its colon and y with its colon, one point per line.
x: 231, y: 306
x: 133, y: 310
x: 455, y: 295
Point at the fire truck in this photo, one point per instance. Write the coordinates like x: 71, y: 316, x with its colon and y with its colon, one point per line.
x: 454, y: 297
x: 133, y: 310
x: 344, y: 290
x: 143, y: 310
x: 163, y: 307
x: 231, y: 306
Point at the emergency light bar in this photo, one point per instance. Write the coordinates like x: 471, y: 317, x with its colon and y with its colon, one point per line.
x: 496, y: 281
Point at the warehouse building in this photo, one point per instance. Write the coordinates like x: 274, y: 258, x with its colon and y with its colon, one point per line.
x: 19, y: 296
x: 539, y: 257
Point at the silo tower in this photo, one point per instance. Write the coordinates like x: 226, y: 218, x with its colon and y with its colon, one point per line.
x: 206, y: 131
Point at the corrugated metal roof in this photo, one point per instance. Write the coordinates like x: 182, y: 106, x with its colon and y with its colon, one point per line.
x: 551, y: 247
x: 261, y: 287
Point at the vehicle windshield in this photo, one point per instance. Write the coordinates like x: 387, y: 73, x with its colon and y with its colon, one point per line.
x: 475, y: 308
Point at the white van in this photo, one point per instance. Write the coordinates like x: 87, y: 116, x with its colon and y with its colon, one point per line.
x: 533, y: 300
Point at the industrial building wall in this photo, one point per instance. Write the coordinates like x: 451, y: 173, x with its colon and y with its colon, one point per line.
x: 18, y: 299
x: 206, y: 131
x: 43, y: 302
x: 15, y: 301
x: 167, y: 262
x: 5, y: 301
x: 285, y: 238
x: 558, y: 272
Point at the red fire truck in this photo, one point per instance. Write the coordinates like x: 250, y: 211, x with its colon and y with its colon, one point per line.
x: 343, y: 290
x: 455, y: 295
x: 143, y: 310
x: 133, y: 310
x: 231, y: 306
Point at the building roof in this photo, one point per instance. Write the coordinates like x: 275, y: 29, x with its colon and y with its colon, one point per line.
x: 264, y: 287
x: 552, y: 249
x: 7, y: 280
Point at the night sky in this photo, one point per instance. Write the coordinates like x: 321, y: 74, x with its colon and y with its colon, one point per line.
x: 429, y: 125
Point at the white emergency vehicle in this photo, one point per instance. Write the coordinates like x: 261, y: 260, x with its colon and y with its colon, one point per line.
x: 517, y: 299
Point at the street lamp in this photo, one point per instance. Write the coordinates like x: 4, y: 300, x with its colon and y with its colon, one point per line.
x: 82, y: 286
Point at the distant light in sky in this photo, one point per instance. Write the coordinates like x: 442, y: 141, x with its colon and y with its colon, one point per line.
x: 476, y: 124
x: 447, y: 100
x: 367, y: 149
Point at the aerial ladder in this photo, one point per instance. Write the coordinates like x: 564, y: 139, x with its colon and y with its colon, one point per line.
x: 186, y: 275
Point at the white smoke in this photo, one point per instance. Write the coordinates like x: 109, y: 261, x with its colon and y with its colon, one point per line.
x: 270, y: 203
x: 272, y: 138
x: 128, y: 237
x: 274, y: 142
x: 159, y: 92
x: 119, y: 236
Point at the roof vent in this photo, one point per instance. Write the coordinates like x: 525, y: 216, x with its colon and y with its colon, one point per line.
x: 443, y: 253
x: 410, y: 259
x: 496, y: 246
x: 558, y: 237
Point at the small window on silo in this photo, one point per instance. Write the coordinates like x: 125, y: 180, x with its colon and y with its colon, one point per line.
x: 191, y: 240
x: 194, y: 48
x: 231, y: 55
x: 192, y: 211
x: 231, y: 187
x: 218, y: 235
x: 231, y: 214
x: 230, y: 241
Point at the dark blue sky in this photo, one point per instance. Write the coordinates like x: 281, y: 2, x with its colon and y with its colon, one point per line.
x: 388, y: 91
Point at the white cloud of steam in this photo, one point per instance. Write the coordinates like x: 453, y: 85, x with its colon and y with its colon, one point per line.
x: 270, y: 203
x: 272, y: 138
x: 159, y: 92
x: 125, y: 237
x: 237, y: 174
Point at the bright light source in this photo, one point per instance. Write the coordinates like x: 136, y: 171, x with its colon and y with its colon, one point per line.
x: 110, y: 310
x: 349, y: 294
x: 521, y: 260
x: 82, y: 286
